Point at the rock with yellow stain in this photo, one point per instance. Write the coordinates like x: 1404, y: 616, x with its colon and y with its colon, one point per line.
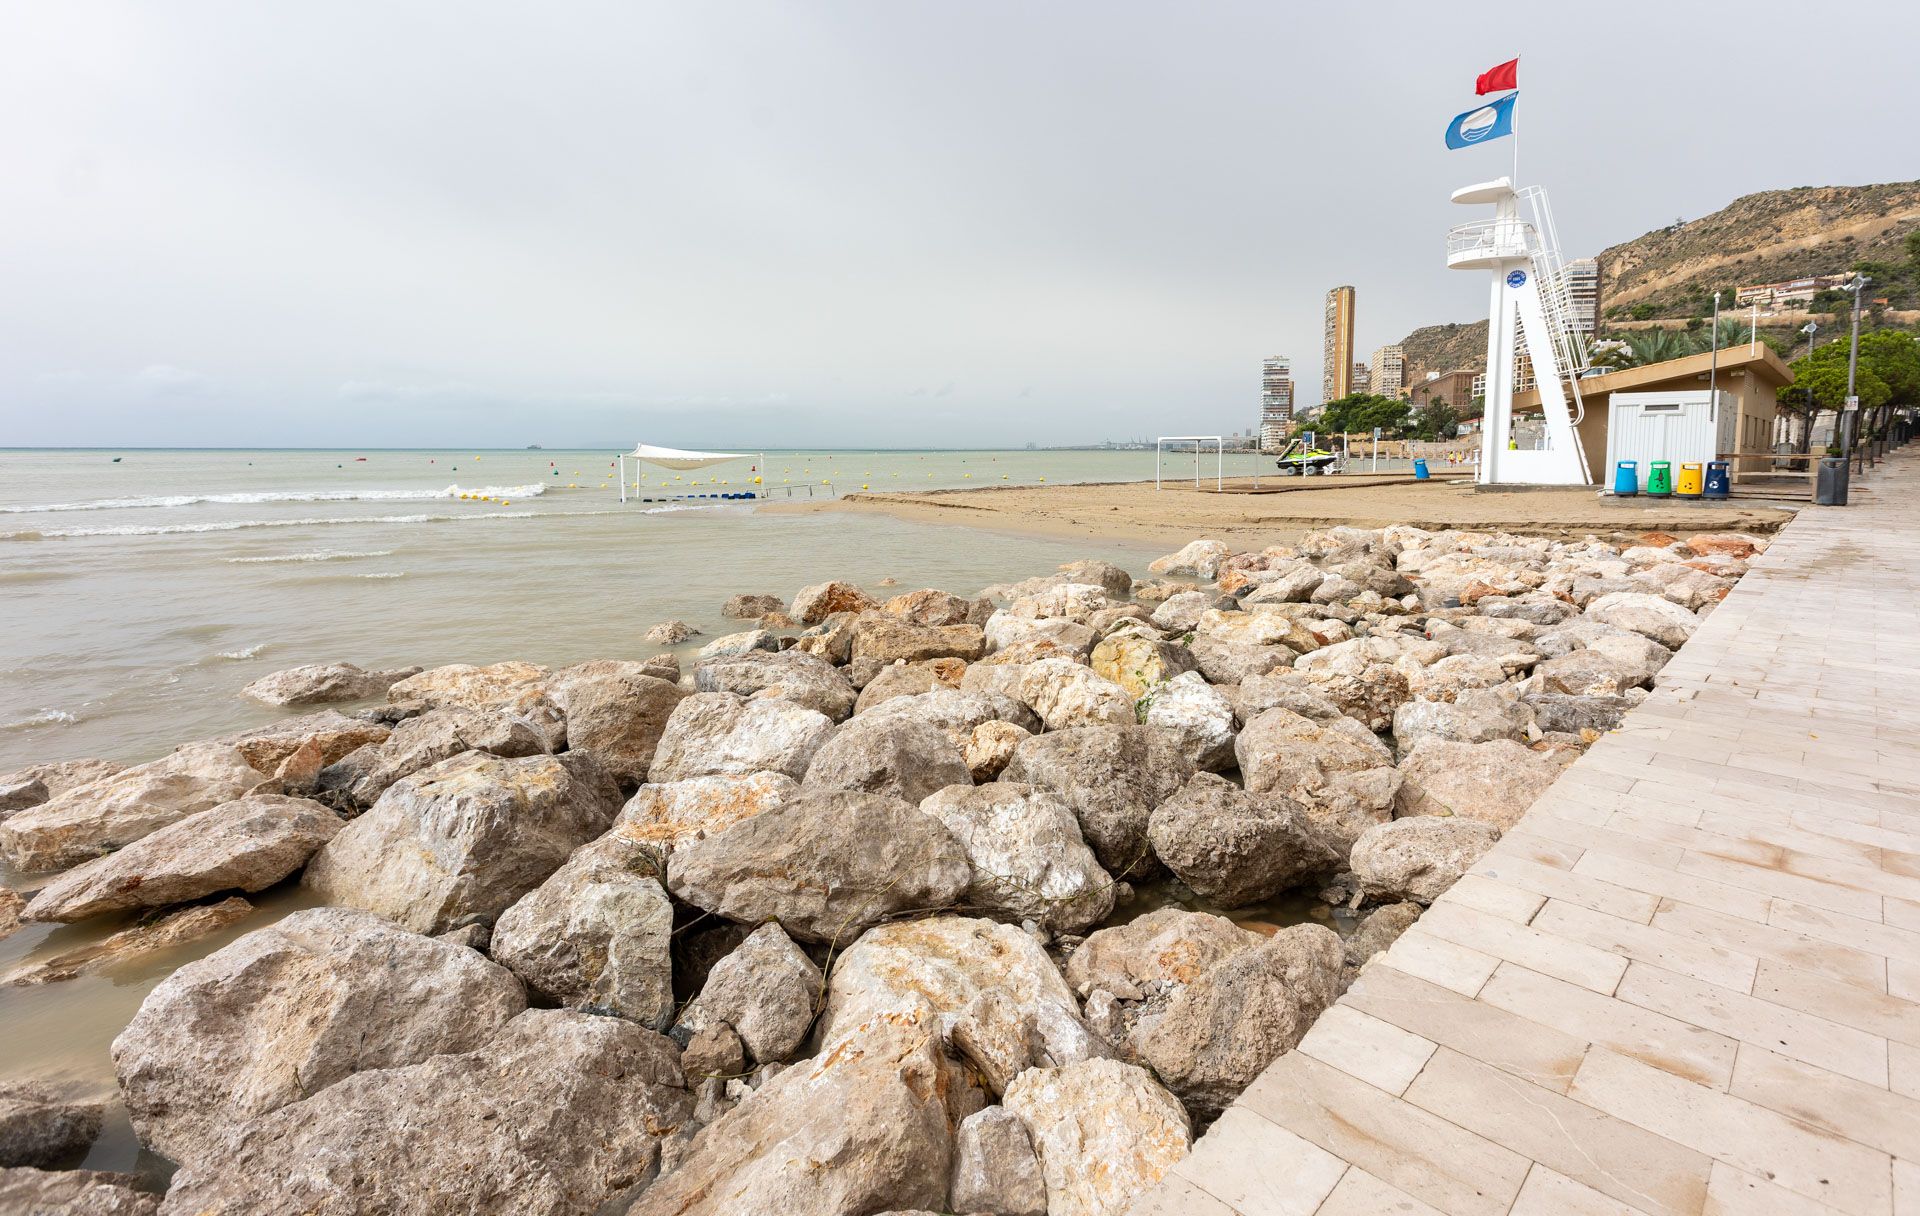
x: 1105, y: 1132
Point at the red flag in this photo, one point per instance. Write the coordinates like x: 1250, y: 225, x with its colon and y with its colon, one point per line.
x: 1495, y: 79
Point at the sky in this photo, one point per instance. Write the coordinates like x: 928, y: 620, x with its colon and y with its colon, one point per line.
x: 893, y: 223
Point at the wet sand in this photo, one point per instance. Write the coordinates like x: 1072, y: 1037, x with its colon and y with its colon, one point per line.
x: 1135, y: 511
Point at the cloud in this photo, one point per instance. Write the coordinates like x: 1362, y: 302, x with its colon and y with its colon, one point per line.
x: 164, y: 379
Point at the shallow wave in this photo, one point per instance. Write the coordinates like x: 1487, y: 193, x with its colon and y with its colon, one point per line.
x: 46, y: 717
x: 530, y: 490
x: 251, y: 652
x: 236, y: 525
x: 318, y: 555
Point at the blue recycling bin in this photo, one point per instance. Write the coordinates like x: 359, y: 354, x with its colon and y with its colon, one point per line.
x: 1420, y: 468
x: 1718, y: 483
x: 1626, y: 478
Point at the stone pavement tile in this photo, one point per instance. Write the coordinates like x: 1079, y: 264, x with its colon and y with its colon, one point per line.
x: 1863, y: 1113
x: 1906, y: 1188
x: 1903, y: 1069
x: 1807, y: 1162
x: 1441, y: 962
x: 1175, y: 1196
x: 1772, y: 942
x: 1518, y: 842
x: 1887, y: 939
x: 1734, y: 824
x: 1361, y: 1045
x: 1732, y: 1192
x: 1542, y: 952
x: 1564, y: 885
x: 1259, y: 1169
x: 1701, y: 892
x: 1432, y: 1159
x: 1902, y: 913
x: 1487, y: 894
x: 1713, y: 964
x: 1903, y: 980
x: 1814, y: 1040
x: 1601, y: 840
x: 1361, y: 1194
x: 1780, y: 883
x: 1610, y: 1155
x: 1538, y: 1053
x: 1870, y: 876
x: 1877, y: 1013
x: 1681, y: 1048
x: 1551, y: 1193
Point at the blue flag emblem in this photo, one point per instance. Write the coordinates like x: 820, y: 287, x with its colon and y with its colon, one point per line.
x: 1478, y: 126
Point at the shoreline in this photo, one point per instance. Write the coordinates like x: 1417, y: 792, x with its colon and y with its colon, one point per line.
x: 1132, y: 512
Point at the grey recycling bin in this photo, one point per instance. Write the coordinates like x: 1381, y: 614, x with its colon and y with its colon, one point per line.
x: 1830, y: 488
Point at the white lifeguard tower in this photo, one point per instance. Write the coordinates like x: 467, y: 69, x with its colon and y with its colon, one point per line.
x: 1529, y: 292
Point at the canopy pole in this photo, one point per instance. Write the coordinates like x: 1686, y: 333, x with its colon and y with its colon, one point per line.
x: 623, y: 477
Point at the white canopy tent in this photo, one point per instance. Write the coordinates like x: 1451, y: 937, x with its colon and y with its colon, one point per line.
x: 679, y: 459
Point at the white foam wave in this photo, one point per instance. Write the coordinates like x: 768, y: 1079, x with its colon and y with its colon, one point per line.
x: 384, y: 574
x: 318, y: 555
x: 250, y: 652
x: 46, y: 717
x: 530, y: 490
x: 236, y: 525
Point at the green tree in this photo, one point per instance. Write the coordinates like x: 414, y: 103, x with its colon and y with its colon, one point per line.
x: 1436, y: 420
x: 1359, y: 413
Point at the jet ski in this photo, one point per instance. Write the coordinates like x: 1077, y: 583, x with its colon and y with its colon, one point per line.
x: 1299, y: 460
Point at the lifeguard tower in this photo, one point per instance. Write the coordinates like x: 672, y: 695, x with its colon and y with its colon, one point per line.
x: 1528, y: 293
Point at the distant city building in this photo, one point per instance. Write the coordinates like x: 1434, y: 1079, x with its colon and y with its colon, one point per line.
x: 1583, y: 292
x: 1276, y: 401
x: 1456, y: 388
x: 1336, y: 346
x: 1387, y: 372
x: 1359, y: 380
x: 1793, y: 291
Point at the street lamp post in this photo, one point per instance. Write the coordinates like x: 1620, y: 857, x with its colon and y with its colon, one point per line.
x: 1852, y: 428
x: 1811, y: 328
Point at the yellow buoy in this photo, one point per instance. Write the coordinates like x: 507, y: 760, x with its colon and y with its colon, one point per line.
x: 506, y: 502
x: 1043, y: 479
x: 863, y: 485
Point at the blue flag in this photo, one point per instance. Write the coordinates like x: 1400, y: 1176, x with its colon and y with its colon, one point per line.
x: 1490, y: 121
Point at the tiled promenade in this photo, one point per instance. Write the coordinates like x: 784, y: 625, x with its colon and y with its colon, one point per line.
x: 1688, y: 981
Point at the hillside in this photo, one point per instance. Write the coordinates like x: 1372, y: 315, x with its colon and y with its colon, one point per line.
x: 1769, y: 237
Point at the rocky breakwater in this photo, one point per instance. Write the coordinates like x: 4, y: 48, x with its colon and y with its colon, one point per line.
x: 854, y: 916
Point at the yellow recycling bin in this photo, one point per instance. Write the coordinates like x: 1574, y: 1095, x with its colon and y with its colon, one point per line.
x: 1690, y: 483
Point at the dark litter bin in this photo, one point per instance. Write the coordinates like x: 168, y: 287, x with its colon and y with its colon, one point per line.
x: 1718, y: 483
x: 1830, y: 484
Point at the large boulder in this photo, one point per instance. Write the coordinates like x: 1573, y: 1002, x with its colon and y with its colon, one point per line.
x: 1477, y: 716
x: 560, y: 1112
x: 1196, y: 714
x: 1418, y: 858
x: 928, y: 606
x: 804, y: 679
x: 718, y: 733
x: 616, y: 712
x: 245, y: 845
x: 1028, y: 858
x: 748, y: 641
x: 1650, y: 616
x: 1113, y: 777
x: 114, y: 811
x: 997, y: 996
x: 892, y: 754
x: 1234, y: 847
x: 1335, y: 768
x: 994, y: 1166
x: 465, y: 838
x: 1584, y: 673
x: 1165, y: 949
x: 1138, y: 663
x: 596, y: 934
x: 1066, y: 694
x: 324, y: 683
x: 891, y: 681
x: 764, y: 991
x: 812, y: 605
x: 1493, y: 782
x: 1038, y: 637
x: 1215, y: 1035
x: 41, y: 1129
x: 824, y: 865
x: 958, y: 713
x: 862, y: 1128
x: 310, y: 741
x: 290, y: 1009
x: 1074, y: 601
x: 1105, y: 575
x: 990, y: 747
x: 357, y: 779
x: 665, y: 815
x: 1588, y: 717
x: 515, y: 686
x: 751, y: 607
x: 1105, y: 1132
x: 892, y: 640
x: 1200, y: 559
x: 73, y: 1193
x: 36, y: 783
x: 167, y: 931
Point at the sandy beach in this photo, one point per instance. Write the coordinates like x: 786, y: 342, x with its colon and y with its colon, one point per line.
x: 1134, y: 511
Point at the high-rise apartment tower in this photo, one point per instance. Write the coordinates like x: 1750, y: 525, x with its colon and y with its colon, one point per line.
x: 1336, y: 347
x: 1276, y: 402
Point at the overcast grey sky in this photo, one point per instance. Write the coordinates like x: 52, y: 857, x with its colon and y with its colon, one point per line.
x: 894, y: 222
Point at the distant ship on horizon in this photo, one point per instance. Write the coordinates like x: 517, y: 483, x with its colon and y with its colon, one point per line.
x: 533, y: 447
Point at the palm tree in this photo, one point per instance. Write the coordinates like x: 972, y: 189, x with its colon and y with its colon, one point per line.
x: 1658, y: 345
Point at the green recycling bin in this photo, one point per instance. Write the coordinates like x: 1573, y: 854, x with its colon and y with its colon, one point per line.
x: 1660, y: 478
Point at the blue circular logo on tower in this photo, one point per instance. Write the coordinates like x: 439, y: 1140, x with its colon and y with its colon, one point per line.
x: 1479, y: 124
x: 1516, y: 278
